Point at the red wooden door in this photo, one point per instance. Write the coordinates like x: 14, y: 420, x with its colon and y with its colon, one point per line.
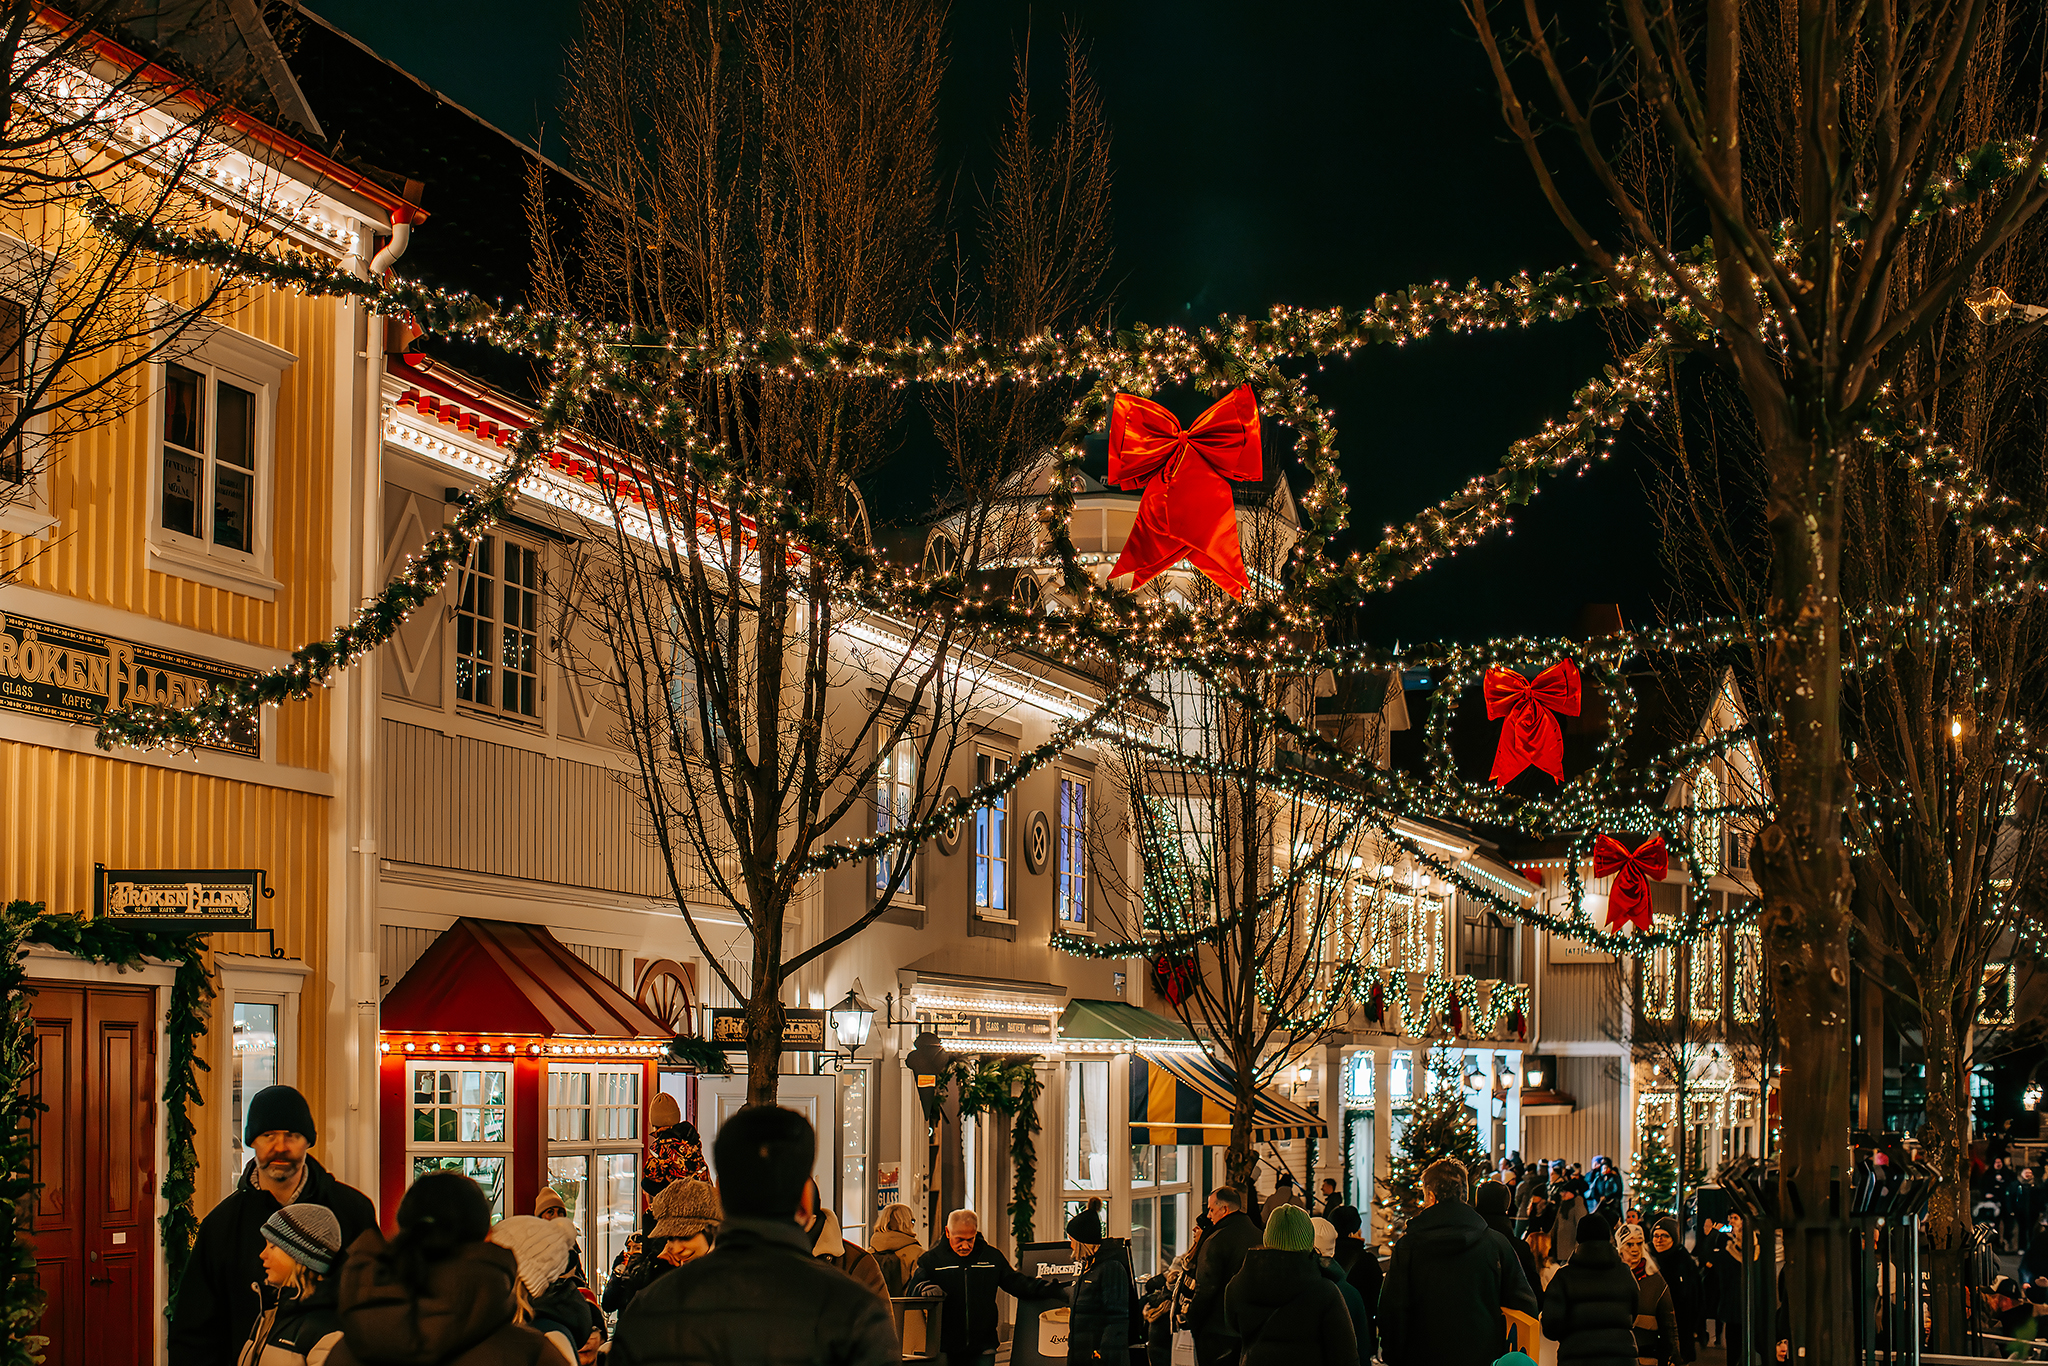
x: 95, y: 1228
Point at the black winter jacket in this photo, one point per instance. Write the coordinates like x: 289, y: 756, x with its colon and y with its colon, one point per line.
x: 217, y: 1297
x: 1450, y: 1278
x: 1100, y: 1327
x: 1287, y: 1313
x: 1656, y: 1320
x: 1354, y: 1304
x: 968, y: 1324
x: 562, y: 1309
x: 1223, y: 1253
x: 759, y: 1297
x: 1589, y: 1309
x: 639, y: 1273
x: 1361, y: 1263
x: 294, y: 1331
x: 463, y: 1319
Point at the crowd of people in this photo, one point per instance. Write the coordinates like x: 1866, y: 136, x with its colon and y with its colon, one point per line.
x: 291, y: 1269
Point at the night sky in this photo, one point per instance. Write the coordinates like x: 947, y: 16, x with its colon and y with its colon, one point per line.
x: 1305, y: 154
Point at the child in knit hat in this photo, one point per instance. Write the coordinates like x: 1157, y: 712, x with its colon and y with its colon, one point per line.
x: 299, y: 1323
x: 547, y: 1297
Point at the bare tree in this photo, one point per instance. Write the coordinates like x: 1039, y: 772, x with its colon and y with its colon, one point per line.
x: 773, y: 166
x: 1257, y: 886
x: 1819, y: 143
x: 87, y: 130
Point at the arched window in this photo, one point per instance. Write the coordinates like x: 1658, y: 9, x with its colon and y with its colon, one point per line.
x: 1706, y: 822
x: 941, y: 553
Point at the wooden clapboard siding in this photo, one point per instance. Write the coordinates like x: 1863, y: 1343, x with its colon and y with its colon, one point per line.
x: 91, y: 808
x: 1578, y: 1003
x: 452, y: 801
x: 1594, y: 1128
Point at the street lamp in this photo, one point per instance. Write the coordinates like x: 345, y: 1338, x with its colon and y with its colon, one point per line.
x: 850, y: 1020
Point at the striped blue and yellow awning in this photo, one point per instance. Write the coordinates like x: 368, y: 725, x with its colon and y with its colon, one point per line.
x: 1188, y: 1097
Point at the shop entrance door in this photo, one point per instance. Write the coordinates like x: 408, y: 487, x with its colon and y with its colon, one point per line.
x: 95, y: 1163
x: 815, y: 1098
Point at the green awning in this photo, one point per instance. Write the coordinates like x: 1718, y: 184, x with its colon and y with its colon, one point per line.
x: 1122, y: 1022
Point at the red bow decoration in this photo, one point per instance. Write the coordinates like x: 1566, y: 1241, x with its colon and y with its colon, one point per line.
x: 1376, y: 1003
x: 1174, y: 976
x: 1187, y: 511
x: 1629, y: 902
x: 1531, y: 737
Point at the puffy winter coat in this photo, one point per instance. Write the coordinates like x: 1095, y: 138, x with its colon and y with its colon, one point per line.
x: 1450, y: 1278
x: 1361, y: 1263
x: 561, y: 1312
x: 856, y: 1261
x: 464, y: 1318
x: 1589, y: 1309
x: 1285, y: 1312
x: 1656, y: 1320
x: 896, y: 1254
x: 968, y: 1324
x: 759, y: 1297
x: 639, y: 1272
x: 1354, y: 1305
x: 1223, y: 1252
x: 293, y: 1330
x: 1103, y: 1300
x: 217, y: 1297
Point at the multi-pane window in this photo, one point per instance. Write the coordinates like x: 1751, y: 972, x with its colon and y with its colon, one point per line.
x: 1485, y: 944
x: 497, y: 628
x: 992, y: 839
x: 1073, y: 852
x: 209, y: 457
x: 594, y: 1156
x: 1746, y: 957
x: 1088, y: 1126
x: 895, y: 800
x: 13, y: 370
x: 1706, y: 822
x: 458, y: 1124
x: 1703, y: 976
x: 1161, y: 1195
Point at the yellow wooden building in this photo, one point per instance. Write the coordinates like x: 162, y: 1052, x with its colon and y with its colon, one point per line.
x: 208, y: 528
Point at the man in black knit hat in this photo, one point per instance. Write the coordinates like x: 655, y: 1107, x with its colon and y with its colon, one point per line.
x: 217, y: 1297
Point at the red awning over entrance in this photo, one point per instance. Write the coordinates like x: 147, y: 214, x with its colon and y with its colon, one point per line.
x: 501, y: 977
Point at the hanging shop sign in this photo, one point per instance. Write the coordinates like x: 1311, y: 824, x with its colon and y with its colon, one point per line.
x: 971, y: 1024
x: 61, y: 673
x: 179, y: 899
x: 802, y: 1030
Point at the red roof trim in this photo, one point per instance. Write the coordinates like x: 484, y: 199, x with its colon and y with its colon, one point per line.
x: 248, y: 125
x: 503, y: 977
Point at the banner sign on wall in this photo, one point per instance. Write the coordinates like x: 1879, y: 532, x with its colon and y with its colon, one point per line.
x: 64, y: 674
x: 183, y: 899
x: 803, y: 1030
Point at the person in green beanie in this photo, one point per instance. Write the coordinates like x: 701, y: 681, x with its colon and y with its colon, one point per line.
x: 1284, y: 1311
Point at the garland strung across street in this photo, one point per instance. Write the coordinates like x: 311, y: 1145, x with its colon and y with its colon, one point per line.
x: 1125, y: 634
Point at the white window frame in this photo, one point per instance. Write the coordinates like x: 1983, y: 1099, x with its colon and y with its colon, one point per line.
x: 910, y: 892
x: 245, y: 979
x: 594, y: 1148
x: 997, y: 864
x: 25, y: 270
x: 1062, y: 878
x: 417, y: 1148
x: 465, y: 586
x: 219, y: 352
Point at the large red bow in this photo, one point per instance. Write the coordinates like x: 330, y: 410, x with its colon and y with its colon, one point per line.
x: 1629, y: 902
x: 1531, y: 737
x: 1187, y: 512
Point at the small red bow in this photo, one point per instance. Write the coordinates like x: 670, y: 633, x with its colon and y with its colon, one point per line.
x: 1531, y: 737
x: 1187, y: 511
x: 1629, y: 902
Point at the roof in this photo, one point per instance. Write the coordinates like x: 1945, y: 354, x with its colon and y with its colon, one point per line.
x: 1119, y: 1020
x: 501, y: 977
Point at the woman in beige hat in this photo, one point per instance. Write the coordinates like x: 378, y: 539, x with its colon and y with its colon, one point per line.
x: 686, y: 1218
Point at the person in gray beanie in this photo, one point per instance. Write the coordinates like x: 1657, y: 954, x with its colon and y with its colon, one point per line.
x: 218, y: 1299
x: 300, y: 1321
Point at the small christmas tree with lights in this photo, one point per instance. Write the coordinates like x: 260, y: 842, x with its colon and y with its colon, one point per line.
x: 1440, y: 1125
x: 1655, y: 1180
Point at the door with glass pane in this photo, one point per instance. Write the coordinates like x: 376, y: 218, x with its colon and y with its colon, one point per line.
x: 594, y: 1128
x: 458, y: 1124
x: 1162, y: 1189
